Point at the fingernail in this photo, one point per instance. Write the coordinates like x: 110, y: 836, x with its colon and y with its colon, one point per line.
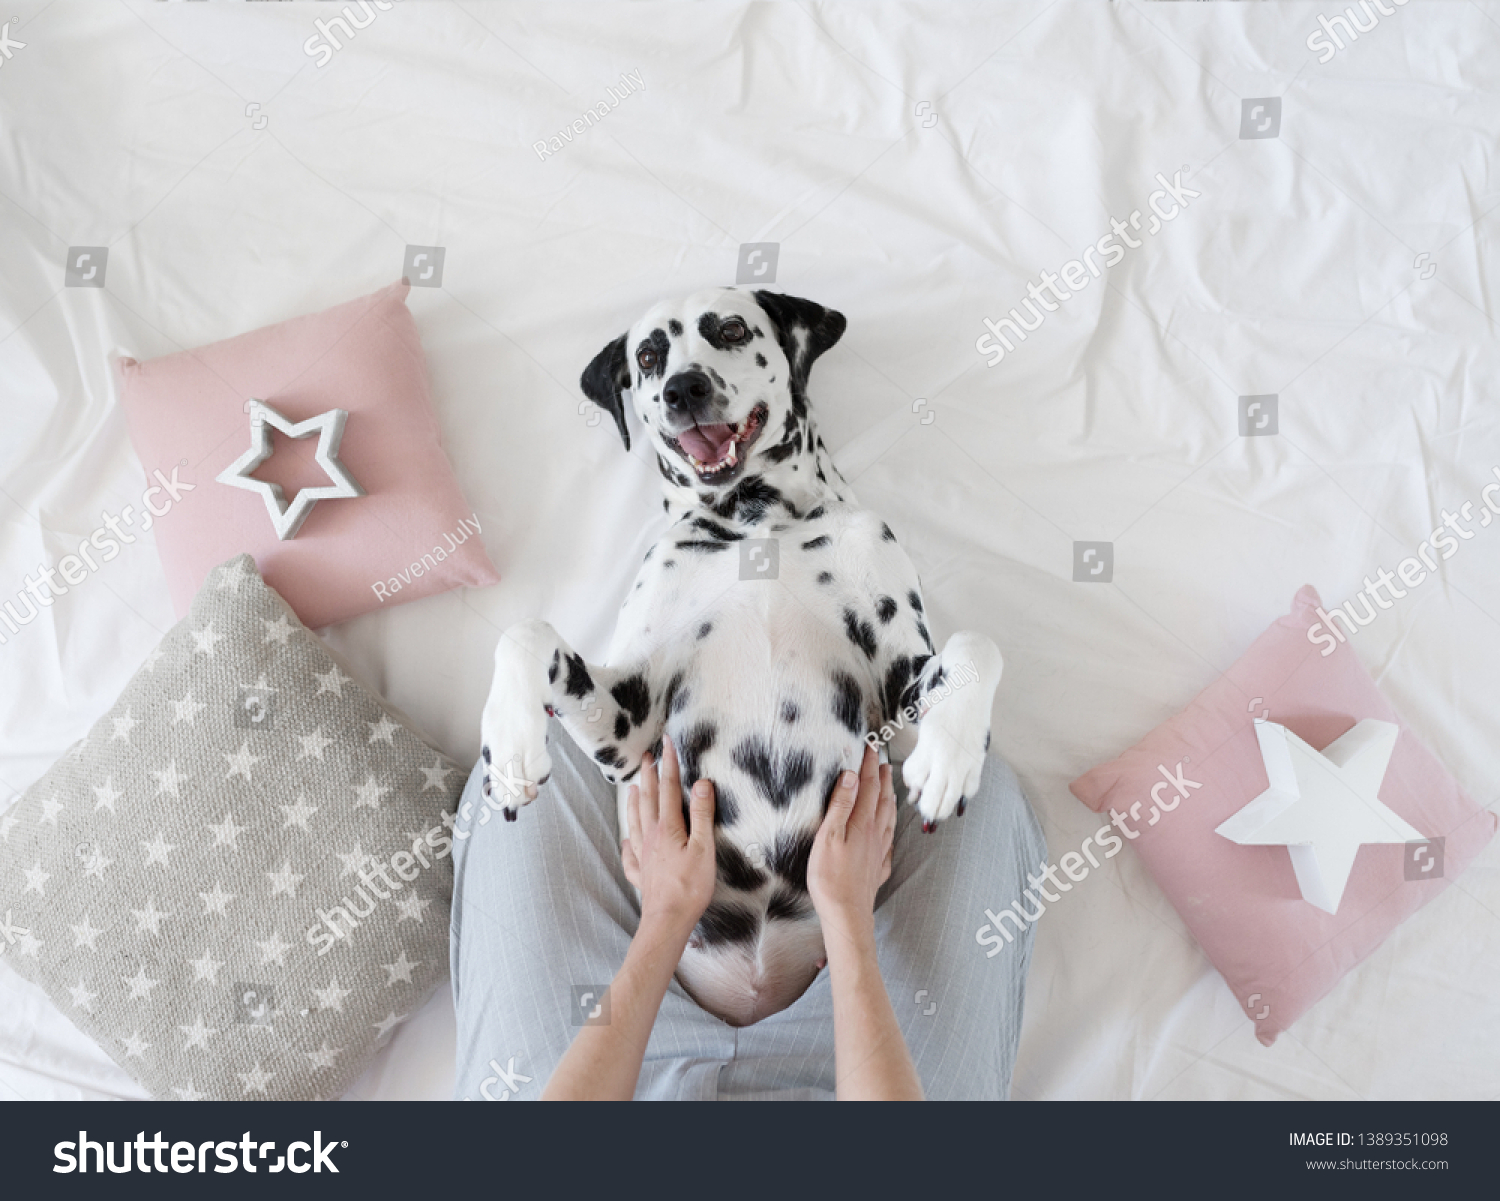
x: 510, y: 814
x: 702, y: 789
x: 963, y: 803
x: 848, y: 780
x: 666, y: 741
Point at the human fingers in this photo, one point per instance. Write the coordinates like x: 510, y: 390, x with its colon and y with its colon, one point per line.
x: 701, y: 812
x: 650, y: 785
x: 868, y: 796
x: 841, y: 804
x: 630, y: 863
x: 669, y: 799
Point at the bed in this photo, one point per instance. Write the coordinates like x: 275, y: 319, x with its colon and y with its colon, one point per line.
x: 1332, y: 243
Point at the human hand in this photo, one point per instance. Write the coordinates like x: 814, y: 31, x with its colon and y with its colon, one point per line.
x: 851, y: 855
x: 672, y: 865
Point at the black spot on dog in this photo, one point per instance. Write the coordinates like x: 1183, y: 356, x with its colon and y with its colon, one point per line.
x: 631, y: 774
x: 692, y: 746
x: 748, y: 500
x: 786, y: 906
x: 609, y: 756
x: 820, y: 474
x: 670, y: 694
x: 676, y: 327
x: 668, y: 564
x: 736, y: 870
x: 897, y: 676
x: 861, y: 633
x: 552, y: 668
x: 885, y: 609
x: 825, y: 577
x: 701, y: 547
x: 714, y: 530
x: 721, y: 924
x: 633, y: 695
x: 760, y: 359
x: 726, y: 808
x: 717, y: 378
x: 579, y: 682
x: 817, y: 543
x: 816, y: 513
x: 671, y: 473
x: 779, y: 777
x: 680, y: 701
x: 848, y: 702
x: 656, y: 750
x: 780, y: 453
x: 704, y: 630
x: 937, y: 680
x: 657, y: 342
x: 926, y: 637
x: 830, y: 782
x: 788, y: 859
x: 789, y: 713
x: 622, y: 725
x: 986, y: 741
x: 885, y: 533
x: 914, y: 600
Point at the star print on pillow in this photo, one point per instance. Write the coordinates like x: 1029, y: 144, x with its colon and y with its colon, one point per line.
x: 178, y: 883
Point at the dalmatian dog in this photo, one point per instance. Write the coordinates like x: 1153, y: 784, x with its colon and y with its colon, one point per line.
x: 772, y: 630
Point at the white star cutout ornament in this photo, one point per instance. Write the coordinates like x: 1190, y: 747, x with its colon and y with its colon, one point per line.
x: 1322, y: 807
x: 287, y: 518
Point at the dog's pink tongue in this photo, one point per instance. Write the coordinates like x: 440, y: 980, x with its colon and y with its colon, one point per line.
x: 706, y: 443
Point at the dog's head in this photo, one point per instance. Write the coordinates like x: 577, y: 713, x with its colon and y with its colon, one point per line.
x: 718, y: 379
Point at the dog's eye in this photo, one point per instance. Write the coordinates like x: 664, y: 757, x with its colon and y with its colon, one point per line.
x: 733, y: 330
x: 647, y: 359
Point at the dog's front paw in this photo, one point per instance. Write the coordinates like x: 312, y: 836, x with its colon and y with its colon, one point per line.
x: 944, y: 769
x: 514, y: 733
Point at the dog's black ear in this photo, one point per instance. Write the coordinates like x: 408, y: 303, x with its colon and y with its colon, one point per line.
x: 605, y: 378
x: 803, y: 328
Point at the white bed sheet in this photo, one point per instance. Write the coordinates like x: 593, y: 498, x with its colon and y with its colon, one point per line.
x: 918, y: 166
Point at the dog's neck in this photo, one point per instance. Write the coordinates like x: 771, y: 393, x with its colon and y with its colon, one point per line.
x: 799, y: 483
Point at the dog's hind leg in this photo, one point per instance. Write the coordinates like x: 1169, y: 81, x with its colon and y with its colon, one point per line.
x: 612, y: 713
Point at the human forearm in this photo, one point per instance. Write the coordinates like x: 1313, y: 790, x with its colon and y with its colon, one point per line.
x: 604, y: 1062
x: 871, y: 1060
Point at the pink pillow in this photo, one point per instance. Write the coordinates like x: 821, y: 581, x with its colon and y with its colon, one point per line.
x: 1278, y: 952
x: 411, y: 535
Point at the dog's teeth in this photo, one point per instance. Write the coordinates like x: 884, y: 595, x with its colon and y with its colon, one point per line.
x: 733, y: 456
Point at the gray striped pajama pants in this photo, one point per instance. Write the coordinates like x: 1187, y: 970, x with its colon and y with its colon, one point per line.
x: 542, y: 916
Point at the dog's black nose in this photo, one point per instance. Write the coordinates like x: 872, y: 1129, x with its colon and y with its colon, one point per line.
x: 686, y: 389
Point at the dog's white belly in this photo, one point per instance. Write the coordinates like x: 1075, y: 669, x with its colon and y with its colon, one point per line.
x: 770, y: 700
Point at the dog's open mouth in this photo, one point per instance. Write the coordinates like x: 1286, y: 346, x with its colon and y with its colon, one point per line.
x: 717, y: 452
